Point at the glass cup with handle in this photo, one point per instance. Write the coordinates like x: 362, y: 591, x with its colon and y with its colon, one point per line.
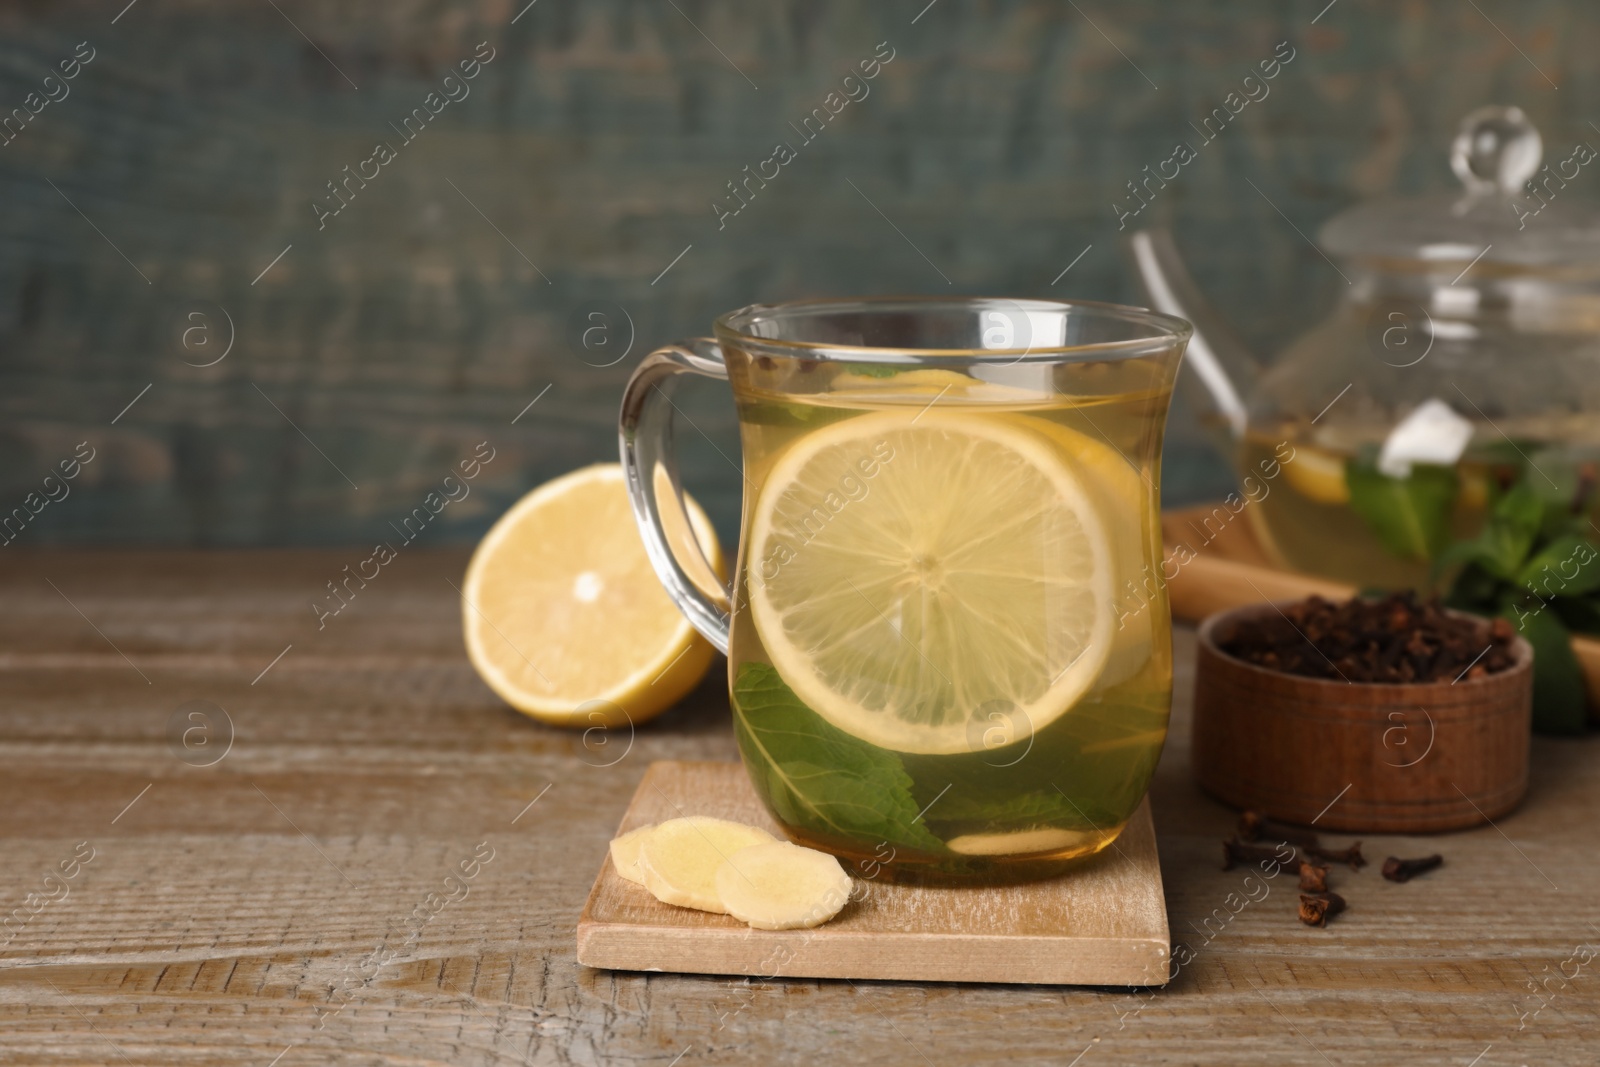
x: 947, y: 632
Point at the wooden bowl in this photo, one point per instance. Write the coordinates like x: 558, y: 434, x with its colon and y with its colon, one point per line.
x: 1359, y: 756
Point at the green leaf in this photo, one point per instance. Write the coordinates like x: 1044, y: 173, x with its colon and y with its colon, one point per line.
x: 1086, y: 770
x: 877, y: 370
x: 818, y: 777
x: 1411, y: 516
x: 1568, y: 566
x: 1519, y: 511
x: 1508, y: 534
x: 1558, y: 694
x: 1553, y: 477
x: 1471, y: 552
x: 1475, y: 590
x: 976, y: 810
x: 1509, y: 531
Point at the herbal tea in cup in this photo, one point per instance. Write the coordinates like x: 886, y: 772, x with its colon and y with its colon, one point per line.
x: 948, y: 645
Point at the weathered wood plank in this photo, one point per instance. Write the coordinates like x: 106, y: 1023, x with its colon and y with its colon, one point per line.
x: 409, y: 327
x: 208, y: 929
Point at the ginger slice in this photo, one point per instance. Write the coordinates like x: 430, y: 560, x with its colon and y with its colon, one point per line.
x: 782, y: 886
x: 678, y: 859
x: 625, y: 853
x: 1017, y: 843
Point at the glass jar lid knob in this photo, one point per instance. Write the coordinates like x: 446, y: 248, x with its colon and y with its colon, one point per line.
x: 1496, y: 150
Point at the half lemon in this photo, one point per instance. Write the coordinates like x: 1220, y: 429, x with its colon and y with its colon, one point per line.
x: 562, y: 613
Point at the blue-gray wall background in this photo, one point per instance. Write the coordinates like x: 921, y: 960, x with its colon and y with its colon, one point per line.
x: 423, y: 318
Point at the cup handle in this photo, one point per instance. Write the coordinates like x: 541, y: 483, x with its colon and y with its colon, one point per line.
x: 651, y: 464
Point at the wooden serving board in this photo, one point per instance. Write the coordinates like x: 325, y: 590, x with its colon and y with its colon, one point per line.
x: 1223, y: 566
x: 1102, y: 923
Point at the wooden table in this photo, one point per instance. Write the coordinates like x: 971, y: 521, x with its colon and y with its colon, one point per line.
x: 288, y: 903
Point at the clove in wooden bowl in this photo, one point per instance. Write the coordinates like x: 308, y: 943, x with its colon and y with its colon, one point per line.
x: 1359, y: 757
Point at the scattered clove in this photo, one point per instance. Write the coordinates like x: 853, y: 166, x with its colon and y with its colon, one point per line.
x: 1236, y: 852
x: 1261, y: 841
x: 1253, y: 826
x: 1313, y: 879
x: 1351, y: 855
x: 1313, y: 876
x: 1317, y: 908
x: 1399, y: 870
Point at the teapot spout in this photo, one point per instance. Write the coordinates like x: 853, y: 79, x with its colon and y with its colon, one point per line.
x: 1225, y: 370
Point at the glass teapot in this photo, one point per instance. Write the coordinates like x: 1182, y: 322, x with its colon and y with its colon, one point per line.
x: 1464, y: 354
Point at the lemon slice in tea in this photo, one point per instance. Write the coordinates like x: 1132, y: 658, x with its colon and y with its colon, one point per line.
x: 912, y: 572
x: 1119, y: 492
x: 1317, y: 475
x: 563, y: 615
